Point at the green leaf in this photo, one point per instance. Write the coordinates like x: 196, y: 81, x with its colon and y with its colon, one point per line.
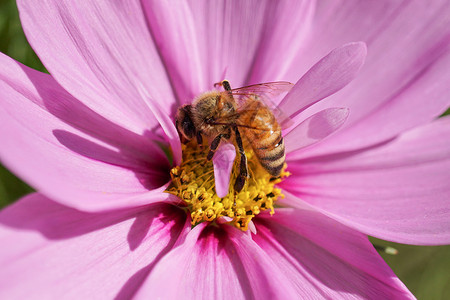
x: 423, y: 269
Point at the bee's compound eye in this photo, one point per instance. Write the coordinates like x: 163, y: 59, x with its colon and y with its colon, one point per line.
x: 209, y: 120
x: 188, y: 130
x: 187, y: 127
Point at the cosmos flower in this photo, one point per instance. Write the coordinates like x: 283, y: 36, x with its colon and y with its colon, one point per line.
x: 97, y: 139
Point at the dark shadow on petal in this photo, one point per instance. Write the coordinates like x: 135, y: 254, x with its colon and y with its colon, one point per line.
x: 138, y: 231
x: 167, y: 215
x: 218, y: 238
x: 76, y: 114
x: 151, y: 176
x: 137, y: 235
x: 134, y: 151
x: 240, y: 272
x: 57, y: 222
x: 334, y: 272
x: 92, y: 150
x: 135, y: 282
x: 62, y: 222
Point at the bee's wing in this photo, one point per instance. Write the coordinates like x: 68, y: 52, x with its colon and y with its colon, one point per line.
x: 272, y: 89
x: 266, y: 93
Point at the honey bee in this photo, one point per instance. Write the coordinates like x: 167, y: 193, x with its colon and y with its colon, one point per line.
x: 234, y: 113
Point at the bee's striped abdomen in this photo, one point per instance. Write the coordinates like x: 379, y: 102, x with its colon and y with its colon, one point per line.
x: 266, y: 140
x: 272, y: 156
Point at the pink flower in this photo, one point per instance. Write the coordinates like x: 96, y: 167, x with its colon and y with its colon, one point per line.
x: 91, y: 136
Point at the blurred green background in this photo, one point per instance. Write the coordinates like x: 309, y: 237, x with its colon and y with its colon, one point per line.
x: 424, y: 270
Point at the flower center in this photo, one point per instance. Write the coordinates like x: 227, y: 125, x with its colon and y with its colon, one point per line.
x: 193, y: 182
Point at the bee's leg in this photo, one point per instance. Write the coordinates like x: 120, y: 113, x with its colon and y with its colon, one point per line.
x: 243, y: 169
x: 225, y: 83
x: 226, y: 86
x: 199, y: 139
x: 215, y: 143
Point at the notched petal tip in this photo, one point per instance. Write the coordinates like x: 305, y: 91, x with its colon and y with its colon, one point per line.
x: 223, y: 161
x: 356, y: 49
x: 332, y: 73
x: 316, y: 128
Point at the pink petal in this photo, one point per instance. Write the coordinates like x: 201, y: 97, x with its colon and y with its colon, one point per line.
x: 422, y: 100
x: 223, y: 161
x: 216, y: 263
x: 100, y: 53
x: 67, y: 151
x: 397, y: 191
x: 54, y: 252
x: 324, y: 259
x: 242, y: 38
x: 166, y: 123
x: 287, y: 27
x: 326, y: 77
x: 172, y: 27
x: 315, y: 128
x: 403, y: 55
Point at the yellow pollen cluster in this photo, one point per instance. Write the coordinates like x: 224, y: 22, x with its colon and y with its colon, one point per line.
x: 193, y: 182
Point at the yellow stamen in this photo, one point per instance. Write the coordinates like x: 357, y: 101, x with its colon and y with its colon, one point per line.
x: 193, y: 182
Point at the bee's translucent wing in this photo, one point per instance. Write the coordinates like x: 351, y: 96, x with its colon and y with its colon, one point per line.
x: 271, y: 89
x: 266, y: 93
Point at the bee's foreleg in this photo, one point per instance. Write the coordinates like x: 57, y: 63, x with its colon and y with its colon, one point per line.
x: 226, y: 86
x: 215, y: 143
x: 243, y: 169
x: 199, y: 139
